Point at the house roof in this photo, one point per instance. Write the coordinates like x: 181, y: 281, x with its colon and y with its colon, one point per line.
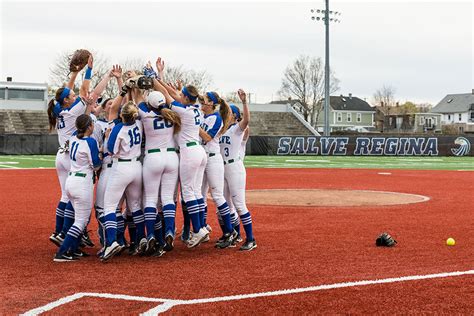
x: 455, y: 103
x: 350, y: 103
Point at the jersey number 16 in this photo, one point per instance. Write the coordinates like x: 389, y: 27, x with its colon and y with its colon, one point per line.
x: 135, y: 138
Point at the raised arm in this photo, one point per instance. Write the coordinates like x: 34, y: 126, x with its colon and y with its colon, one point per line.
x: 158, y: 86
x: 87, y: 78
x: 114, y: 108
x: 71, y: 81
x: 246, y: 112
x: 102, y: 85
x: 160, y: 66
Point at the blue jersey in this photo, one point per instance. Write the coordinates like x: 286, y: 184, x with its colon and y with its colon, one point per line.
x: 212, y: 124
x: 84, y: 154
x: 66, y: 119
x: 125, y: 140
x: 159, y: 133
x: 190, y: 122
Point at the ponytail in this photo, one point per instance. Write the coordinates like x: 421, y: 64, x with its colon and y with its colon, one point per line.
x: 51, y: 116
x: 173, y: 117
x: 226, y: 114
x: 61, y: 93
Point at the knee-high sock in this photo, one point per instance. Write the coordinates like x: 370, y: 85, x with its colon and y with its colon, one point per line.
x: 110, y: 224
x: 202, y: 212
x: 158, y: 227
x: 169, y: 215
x: 139, y: 220
x: 235, y: 222
x: 193, y: 210
x: 60, y: 217
x: 71, y: 241
x: 120, y: 227
x: 132, y: 229
x: 68, y: 218
x: 247, y: 223
x: 186, y: 217
x: 150, y: 219
x: 224, y: 213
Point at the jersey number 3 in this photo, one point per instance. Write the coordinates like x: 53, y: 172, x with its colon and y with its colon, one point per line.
x: 135, y: 138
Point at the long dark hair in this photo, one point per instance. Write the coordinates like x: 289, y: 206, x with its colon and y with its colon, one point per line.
x: 224, y: 111
x: 83, y: 122
x: 51, y: 104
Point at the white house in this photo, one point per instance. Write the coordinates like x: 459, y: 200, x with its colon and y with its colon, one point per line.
x: 457, y: 110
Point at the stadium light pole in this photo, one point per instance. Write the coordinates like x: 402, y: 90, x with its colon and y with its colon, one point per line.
x: 326, y: 16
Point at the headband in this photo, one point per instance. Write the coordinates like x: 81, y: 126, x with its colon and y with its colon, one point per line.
x: 64, y: 95
x: 213, y: 98
x: 186, y: 93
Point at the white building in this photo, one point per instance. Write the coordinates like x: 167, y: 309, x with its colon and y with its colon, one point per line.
x: 457, y: 110
x: 23, y: 95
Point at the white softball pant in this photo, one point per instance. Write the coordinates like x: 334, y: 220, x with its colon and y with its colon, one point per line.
x: 125, y: 177
x: 101, y: 186
x: 214, y: 179
x: 235, y: 179
x: 80, y: 191
x: 160, y: 176
x: 63, y: 164
x: 192, y: 163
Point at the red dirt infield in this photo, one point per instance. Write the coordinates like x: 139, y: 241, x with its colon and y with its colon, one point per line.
x: 298, y: 247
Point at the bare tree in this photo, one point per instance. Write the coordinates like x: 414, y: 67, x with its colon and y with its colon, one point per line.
x: 303, y: 80
x: 385, y: 96
x: 232, y: 97
x: 200, y: 79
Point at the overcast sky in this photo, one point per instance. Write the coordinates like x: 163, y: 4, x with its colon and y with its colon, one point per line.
x: 423, y: 49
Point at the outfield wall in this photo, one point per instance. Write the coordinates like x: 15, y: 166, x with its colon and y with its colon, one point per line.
x: 388, y: 145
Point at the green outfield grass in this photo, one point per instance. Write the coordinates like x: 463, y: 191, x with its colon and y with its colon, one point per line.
x: 421, y: 163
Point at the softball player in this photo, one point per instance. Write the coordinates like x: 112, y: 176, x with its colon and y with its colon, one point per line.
x: 192, y: 160
x: 62, y: 113
x: 124, y: 144
x: 84, y: 156
x: 160, y: 169
x: 234, y: 170
x: 212, y: 126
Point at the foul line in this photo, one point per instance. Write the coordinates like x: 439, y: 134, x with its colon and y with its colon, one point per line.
x: 167, y: 304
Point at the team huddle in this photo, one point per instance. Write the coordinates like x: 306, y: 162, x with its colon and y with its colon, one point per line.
x: 142, y: 151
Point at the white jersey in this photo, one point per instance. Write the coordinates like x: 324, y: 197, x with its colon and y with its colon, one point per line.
x: 159, y: 133
x: 99, y: 131
x: 231, y: 142
x: 66, y: 119
x: 190, y: 123
x: 212, y: 125
x: 125, y: 140
x: 84, y: 154
x: 243, y: 146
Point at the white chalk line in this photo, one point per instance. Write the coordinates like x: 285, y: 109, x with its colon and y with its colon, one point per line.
x: 167, y: 304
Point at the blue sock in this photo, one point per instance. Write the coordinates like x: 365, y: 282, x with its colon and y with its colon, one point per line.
x: 158, y: 227
x: 110, y: 224
x: 202, y: 207
x: 235, y: 222
x: 193, y: 210
x: 71, y: 241
x: 139, y: 220
x: 132, y: 229
x: 68, y: 218
x: 150, y: 219
x: 120, y: 227
x: 247, y: 222
x: 169, y: 214
x: 59, y: 217
x: 186, y: 217
x: 224, y: 212
x: 101, y: 230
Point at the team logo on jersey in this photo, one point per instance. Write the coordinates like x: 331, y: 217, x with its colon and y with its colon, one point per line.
x: 464, y: 147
